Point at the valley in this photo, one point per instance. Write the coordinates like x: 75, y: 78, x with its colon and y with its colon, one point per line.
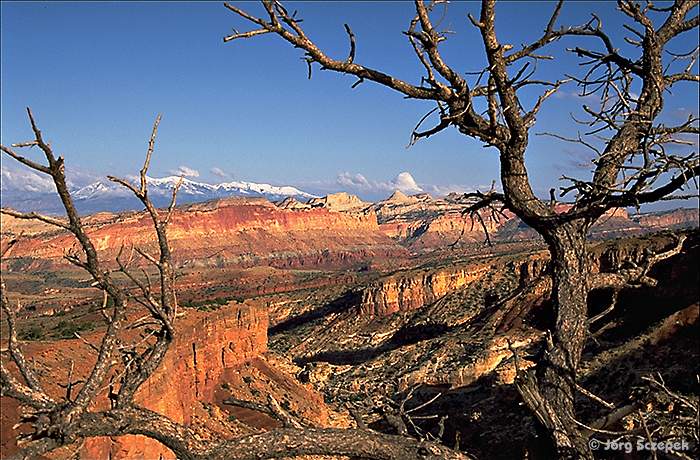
x: 343, y: 310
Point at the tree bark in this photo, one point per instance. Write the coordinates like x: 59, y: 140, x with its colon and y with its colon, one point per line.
x: 556, y: 372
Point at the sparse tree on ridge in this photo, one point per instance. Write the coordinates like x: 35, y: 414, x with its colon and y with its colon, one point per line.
x: 632, y: 168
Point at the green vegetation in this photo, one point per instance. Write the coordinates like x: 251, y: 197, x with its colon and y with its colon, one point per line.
x: 35, y: 332
x: 67, y: 329
x: 211, y: 305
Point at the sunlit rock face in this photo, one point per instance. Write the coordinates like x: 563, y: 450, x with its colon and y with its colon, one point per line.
x: 405, y: 293
x: 206, y: 346
x: 228, y: 232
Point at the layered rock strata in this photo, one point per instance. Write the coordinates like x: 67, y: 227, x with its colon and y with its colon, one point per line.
x: 409, y: 291
x: 228, y: 232
x: 209, y: 351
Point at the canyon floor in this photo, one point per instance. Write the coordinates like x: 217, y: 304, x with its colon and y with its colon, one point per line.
x: 376, y: 312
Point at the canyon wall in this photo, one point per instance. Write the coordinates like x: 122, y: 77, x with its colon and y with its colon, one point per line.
x: 229, y: 232
x: 206, y: 347
x: 411, y: 290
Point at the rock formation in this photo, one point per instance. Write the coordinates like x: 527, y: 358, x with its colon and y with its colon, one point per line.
x: 405, y: 292
x: 339, y: 202
x: 228, y: 232
x: 210, y: 350
x: 336, y: 231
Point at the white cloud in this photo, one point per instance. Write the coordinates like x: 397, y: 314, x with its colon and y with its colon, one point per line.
x: 369, y: 190
x: 405, y: 182
x: 19, y: 178
x: 25, y: 180
x: 183, y: 171
x: 218, y: 172
x: 358, y: 183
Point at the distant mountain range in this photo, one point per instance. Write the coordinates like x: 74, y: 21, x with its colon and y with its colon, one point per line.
x: 112, y: 197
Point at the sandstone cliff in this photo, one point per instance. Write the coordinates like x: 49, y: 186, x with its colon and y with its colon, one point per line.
x: 224, y: 347
x: 207, y: 346
x: 234, y: 231
x: 409, y: 291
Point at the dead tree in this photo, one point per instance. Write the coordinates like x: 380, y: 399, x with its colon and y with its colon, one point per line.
x: 66, y: 420
x: 632, y: 166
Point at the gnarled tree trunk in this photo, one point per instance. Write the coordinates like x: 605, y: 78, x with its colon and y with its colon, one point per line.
x: 556, y: 372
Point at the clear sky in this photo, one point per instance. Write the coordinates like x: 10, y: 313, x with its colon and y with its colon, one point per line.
x: 97, y: 74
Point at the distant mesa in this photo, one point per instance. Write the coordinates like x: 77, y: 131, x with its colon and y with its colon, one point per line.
x: 292, y: 203
x: 399, y: 196
x: 218, y: 203
x: 339, y: 202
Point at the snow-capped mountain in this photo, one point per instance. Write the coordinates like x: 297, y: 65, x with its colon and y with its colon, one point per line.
x: 113, y: 197
x: 191, y: 188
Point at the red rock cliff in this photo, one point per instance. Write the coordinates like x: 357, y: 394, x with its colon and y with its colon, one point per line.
x: 206, y: 346
x: 233, y: 231
x: 405, y: 292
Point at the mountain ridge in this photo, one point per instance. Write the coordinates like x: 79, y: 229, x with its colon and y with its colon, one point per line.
x: 336, y: 231
x: 104, y: 196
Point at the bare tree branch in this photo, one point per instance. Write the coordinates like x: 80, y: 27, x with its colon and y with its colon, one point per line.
x: 637, y: 275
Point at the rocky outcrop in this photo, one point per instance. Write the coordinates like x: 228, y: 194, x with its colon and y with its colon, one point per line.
x: 292, y: 203
x: 410, y: 291
x: 339, y: 202
x: 234, y: 231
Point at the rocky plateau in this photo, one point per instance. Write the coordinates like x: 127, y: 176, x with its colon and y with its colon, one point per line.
x: 340, y: 308
x: 336, y: 231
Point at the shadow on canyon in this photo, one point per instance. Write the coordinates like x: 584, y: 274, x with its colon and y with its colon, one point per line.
x: 342, y: 304
x: 407, y: 335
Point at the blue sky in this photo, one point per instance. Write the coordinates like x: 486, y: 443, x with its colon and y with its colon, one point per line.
x: 97, y: 74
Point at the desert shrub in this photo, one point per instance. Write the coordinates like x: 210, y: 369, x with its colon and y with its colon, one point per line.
x: 35, y: 332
